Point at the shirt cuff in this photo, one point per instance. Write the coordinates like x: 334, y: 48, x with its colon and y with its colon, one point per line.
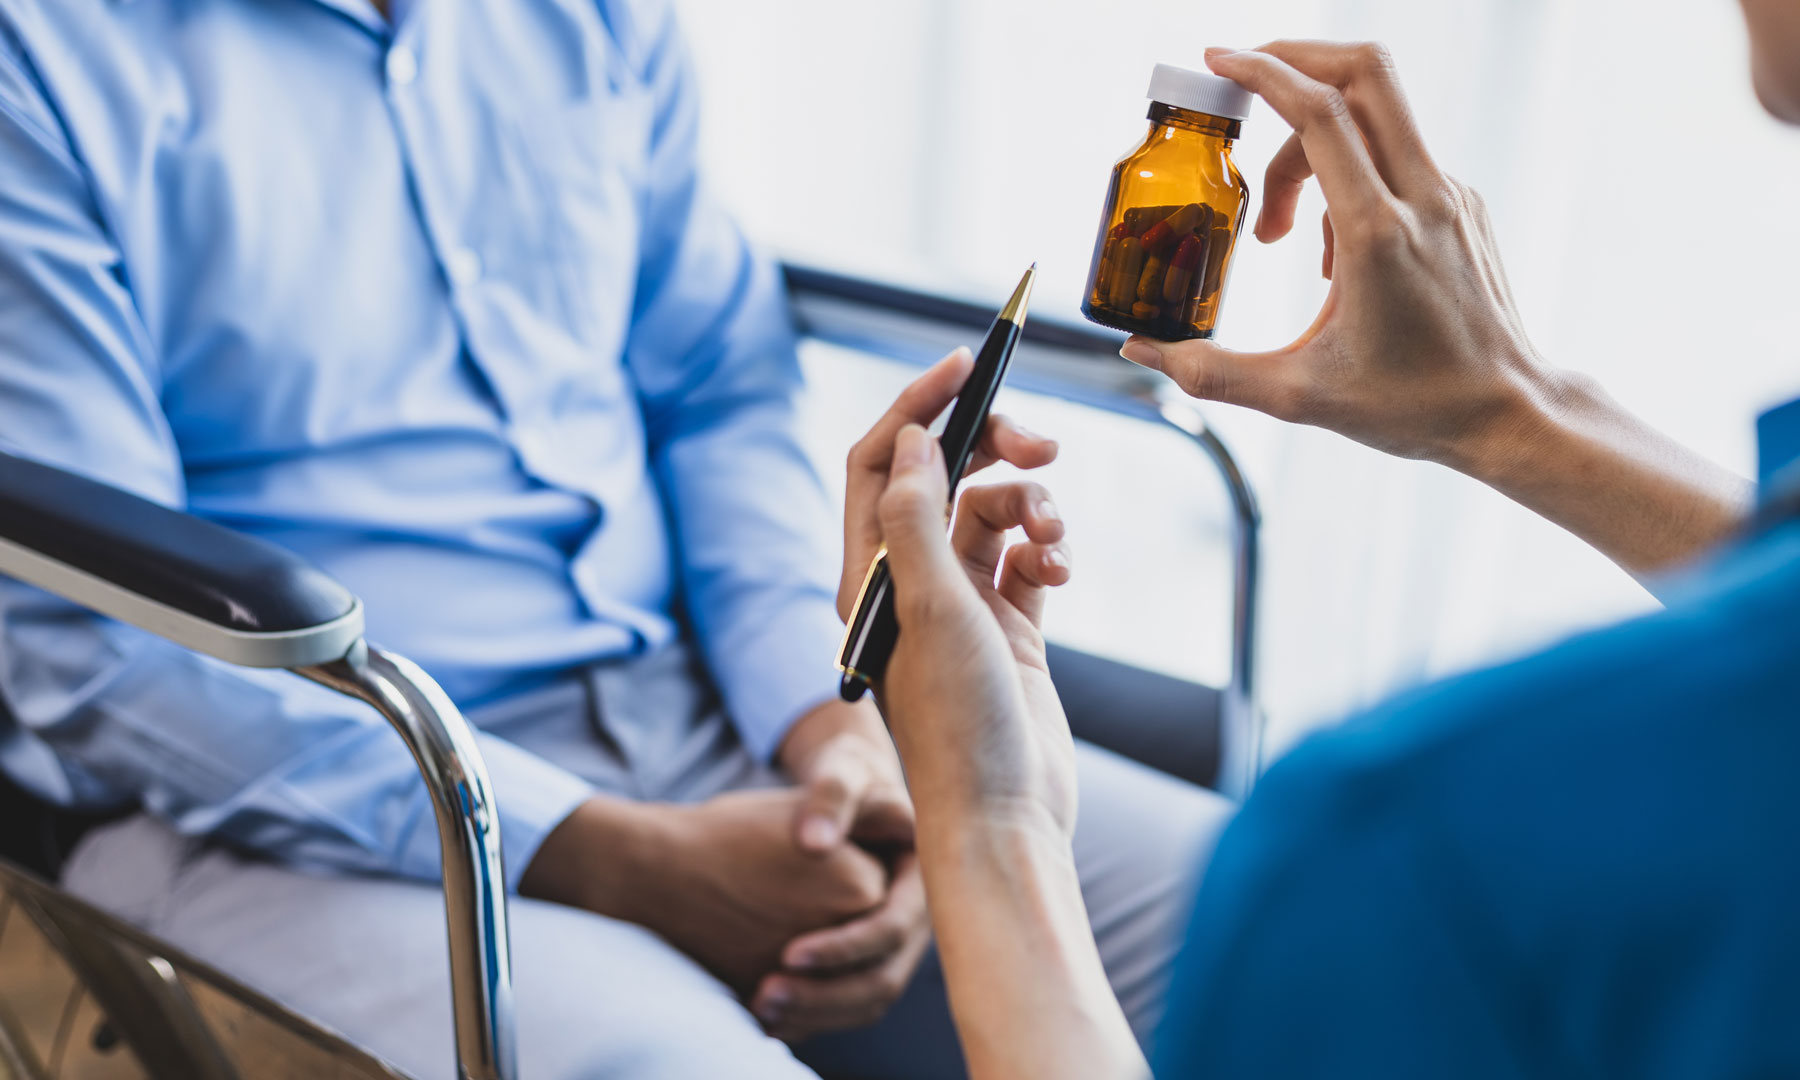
x: 533, y: 797
x: 773, y: 674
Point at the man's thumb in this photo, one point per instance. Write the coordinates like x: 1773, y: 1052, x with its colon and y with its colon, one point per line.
x: 828, y: 808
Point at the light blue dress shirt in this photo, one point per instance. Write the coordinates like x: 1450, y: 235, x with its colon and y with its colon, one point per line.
x: 441, y: 305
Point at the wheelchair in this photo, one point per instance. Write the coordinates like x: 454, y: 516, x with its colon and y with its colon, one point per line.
x: 84, y: 994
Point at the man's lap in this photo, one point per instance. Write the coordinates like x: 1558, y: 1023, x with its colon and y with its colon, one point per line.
x: 601, y: 998
x: 366, y: 957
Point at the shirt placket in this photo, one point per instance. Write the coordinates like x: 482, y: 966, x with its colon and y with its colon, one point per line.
x: 465, y: 270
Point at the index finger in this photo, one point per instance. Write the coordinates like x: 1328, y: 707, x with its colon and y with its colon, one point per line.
x: 985, y: 514
x: 866, y: 466
x: 920, y: 403
x: 1004, y: 440
x: 1320, y: 116
x: 1364, y: 73
x: 869, y: 938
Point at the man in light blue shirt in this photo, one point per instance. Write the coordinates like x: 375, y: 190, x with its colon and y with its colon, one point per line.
x: 434, y: 296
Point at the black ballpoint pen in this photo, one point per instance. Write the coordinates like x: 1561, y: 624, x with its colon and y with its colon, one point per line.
x: 869, y: 638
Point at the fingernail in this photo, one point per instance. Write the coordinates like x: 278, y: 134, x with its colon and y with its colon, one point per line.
x: 1057, y: 558
x: 1046, y: 511
x: 913, y: 448
x: 1142, y: 353
x: 773, y: 1004
x: 801, y: 961
x: 1213, y: 52
x: 819, y: 832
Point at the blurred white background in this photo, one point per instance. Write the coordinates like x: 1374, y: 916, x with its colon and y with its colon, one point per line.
x: 1646, y: 207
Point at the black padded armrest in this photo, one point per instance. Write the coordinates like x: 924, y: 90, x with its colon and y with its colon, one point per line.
x: 213, y: 590
x: 1166, y: 723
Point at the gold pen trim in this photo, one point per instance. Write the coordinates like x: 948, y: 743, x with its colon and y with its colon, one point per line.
x: 856, y: 611
x: 1014, y: 311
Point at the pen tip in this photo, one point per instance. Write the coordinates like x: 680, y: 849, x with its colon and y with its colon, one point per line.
x: 1014, y: 311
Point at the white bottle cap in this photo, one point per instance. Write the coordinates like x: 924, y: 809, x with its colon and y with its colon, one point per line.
x: 1199, y: 91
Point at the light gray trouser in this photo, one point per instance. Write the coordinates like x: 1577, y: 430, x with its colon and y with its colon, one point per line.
x: 599, y: 998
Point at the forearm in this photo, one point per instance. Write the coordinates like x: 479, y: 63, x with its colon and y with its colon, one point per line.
x: 260, y: 758
x: 1026, y: 984
x: 593, y: 858
x: 1569, y: 452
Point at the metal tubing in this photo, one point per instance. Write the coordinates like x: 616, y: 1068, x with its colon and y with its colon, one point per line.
x: 141, y: 994
x: 1241, y: 747
x: 469, y: 835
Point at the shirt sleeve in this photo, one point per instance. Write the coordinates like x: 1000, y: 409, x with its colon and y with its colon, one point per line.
x: 712, y: 351
x: 93, y: 712
x: 1327, y: 943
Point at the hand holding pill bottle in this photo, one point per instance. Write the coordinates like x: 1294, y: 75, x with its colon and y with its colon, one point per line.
x: 1172, y: 213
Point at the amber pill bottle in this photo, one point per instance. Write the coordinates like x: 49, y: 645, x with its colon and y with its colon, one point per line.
x: 1172, y: 213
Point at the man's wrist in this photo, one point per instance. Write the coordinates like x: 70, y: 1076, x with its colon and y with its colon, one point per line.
x: 824, y: 722
x: 597, y: 858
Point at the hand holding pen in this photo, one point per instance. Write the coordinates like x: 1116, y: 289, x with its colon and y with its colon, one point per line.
x: 871, y: 628
x: 869, y: 461
x: 873, y: 456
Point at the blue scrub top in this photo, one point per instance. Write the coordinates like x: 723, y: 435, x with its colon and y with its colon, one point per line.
x: 1584, y: 863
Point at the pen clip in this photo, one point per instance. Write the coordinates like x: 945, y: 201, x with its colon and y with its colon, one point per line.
x: 859, y: 617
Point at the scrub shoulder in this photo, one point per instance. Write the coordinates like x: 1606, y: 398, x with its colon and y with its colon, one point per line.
x: 1578, y: 863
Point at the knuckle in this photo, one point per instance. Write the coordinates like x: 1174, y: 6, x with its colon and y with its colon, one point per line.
x: 890, y: 932
x: 1400, y: 239
x: 1383, y: 232
x: 831, y: 788
x: 1025, y: 495
x: 1373, y: 58
x: 899, y: 501
x: 1442, y: 201
x: 862, y: 453
x: 892, y: 982
x: 1474, y: 204
x: 972, y: 497
x: 867, y: 893
x: 864, y: 890
x: 1199, y: 380
x: 1327, y: 105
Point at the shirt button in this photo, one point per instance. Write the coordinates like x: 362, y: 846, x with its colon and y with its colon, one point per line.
x: 402, y: 66
x: 463, y: 266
